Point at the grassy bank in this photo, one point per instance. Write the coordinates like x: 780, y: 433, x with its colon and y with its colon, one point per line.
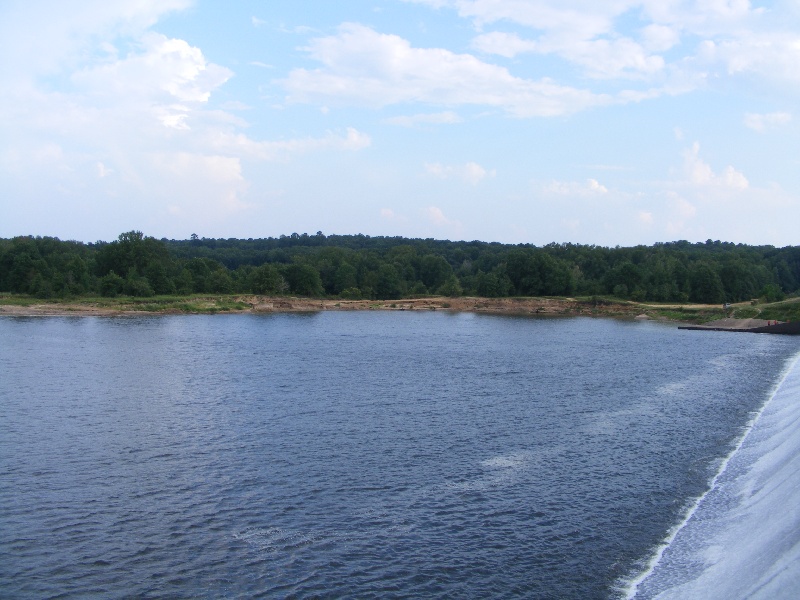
x: 196, y: 304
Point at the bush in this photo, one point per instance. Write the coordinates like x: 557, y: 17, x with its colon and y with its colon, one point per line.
x: 772, y: 293
x: 111, y: 285
x: 451, y: 287
x: 138, y: 286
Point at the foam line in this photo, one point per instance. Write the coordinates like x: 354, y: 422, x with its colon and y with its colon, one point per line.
x: 631, y: 588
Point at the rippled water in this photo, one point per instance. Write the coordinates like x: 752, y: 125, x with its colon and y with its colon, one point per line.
x: 402, y: 454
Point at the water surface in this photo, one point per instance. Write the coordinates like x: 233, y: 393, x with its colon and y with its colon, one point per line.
x: 402, y: 454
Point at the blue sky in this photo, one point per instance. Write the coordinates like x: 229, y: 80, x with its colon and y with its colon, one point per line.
x: 614, y: 123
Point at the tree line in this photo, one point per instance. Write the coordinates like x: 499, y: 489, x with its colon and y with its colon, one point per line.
x: 364, y: 267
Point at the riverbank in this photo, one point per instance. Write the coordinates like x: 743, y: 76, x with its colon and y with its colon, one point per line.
x: 11, y: 305
x: 31, y: 307
x: 267, y: 304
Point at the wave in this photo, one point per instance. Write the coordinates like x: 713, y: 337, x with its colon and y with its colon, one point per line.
x: 742, y: 537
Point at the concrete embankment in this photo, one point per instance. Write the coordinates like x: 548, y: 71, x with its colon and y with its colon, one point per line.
x: 749, y: 326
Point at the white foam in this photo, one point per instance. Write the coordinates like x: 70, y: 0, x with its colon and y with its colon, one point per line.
x: 510, y: 461
x: 751, y: 544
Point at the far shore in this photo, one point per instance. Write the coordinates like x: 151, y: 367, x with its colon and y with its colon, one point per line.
x: 250, y: 304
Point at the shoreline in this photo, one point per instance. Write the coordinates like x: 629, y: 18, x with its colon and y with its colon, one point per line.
x: 700, y: 316
x: 250, y: 304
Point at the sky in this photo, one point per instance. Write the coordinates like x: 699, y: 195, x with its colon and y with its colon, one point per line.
x: 608, y: 122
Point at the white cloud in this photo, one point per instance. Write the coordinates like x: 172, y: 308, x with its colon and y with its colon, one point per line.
x: 591, y: 19
x: 69, y: 30
x: 762, y: 122
x: 356, y: 140
x: 363, y: 67
x: 235, y: 105
x: 604, y: 58
x: 390, y: 215
x: 164, y: 68
x: 645, y: 217
x: 580, y: 32
x: 571, y: 188
x: 659, y: 38
x: 683, y: 208
x: 438, y: 218
x: 103, y: 171
x: 503, y: 44
x: 440, y: 118
x: 471, y: 172
x: 216, y: 183
x: 771, y: 56
x: 594, y: 186
x: 238, y: 144
x: 701, y: 173
x: 735, y: 37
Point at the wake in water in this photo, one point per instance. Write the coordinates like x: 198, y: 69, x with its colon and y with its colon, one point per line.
x: 742, y: 538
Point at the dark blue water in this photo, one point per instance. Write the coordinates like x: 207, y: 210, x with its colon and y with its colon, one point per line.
x: 358, y: 454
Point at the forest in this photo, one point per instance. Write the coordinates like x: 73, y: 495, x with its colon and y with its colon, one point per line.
x: 384, y: 268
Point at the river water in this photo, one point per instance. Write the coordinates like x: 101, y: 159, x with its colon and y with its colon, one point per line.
x: 392, y: 454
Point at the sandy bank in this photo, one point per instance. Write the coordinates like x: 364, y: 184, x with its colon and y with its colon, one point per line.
x: 266, y: 304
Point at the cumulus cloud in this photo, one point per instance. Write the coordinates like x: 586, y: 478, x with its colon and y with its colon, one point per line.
x: 471, y: 172
x: 699, y: 172
x: 762, y: 122
x: 163, y: 68
x: 735, y: 37
x: 69, y: 30
x: 363, y: 67
x: 128, y: 109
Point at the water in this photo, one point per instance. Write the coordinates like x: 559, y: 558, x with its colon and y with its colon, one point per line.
x: 742, y: 538
x: 403, y: 454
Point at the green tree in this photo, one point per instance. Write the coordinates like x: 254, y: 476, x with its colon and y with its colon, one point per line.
x: 303, y: 280
x: 136, y: 285
x: 434, y: 271
x: 220, y: 281
x: 159, y: 279
x: 111, y: 284
x: 451, y: 287
x: 495, y: 284
x: 266, y: 279
x: 706, y: 286
x: 772, y: 293
x: 346, y: 278
x: 389, y: 285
